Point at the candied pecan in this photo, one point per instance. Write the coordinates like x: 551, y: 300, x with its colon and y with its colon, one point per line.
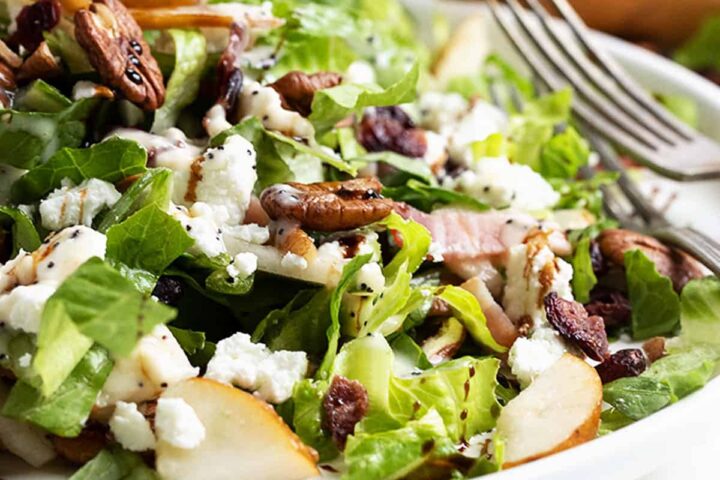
x: 7, y: 85
x: 390, y: 128
x: 41, y: 64
x: 297, y: 89
x: 654, y: 348
x: 613, y: 306
x: 33, y: 20
x: 289, y: 237
x: 115, y: 46
x: 229, y: 71
x: 630, y: 362
x: 168, y: 290
x: 344, y: 405
x: 328, y: 206
x: 83, y: 448
x: 573, y: 322
x: 7, y: 56
x: 675, y: 264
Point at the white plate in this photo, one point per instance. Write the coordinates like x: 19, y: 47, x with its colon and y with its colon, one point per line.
x: 669, y: 434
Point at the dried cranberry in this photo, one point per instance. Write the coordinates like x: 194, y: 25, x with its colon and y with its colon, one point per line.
x: 168, y: 290
x: 630, y: 362
x: 391, y: 129
x: 597, y: 259
x: 573, y: 322
x: 345, y: 404
x: 613, y: 306
x: 33, y: 20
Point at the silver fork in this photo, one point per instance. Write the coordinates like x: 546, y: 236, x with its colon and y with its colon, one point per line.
x: 606, y: 99
x: 642, y: 216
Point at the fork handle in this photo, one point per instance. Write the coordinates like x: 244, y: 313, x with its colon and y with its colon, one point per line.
x: 699, y: 245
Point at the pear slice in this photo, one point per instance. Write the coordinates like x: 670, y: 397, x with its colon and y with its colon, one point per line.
x: 465, y: 51
x: 559, y: 410
x: 244, y: 438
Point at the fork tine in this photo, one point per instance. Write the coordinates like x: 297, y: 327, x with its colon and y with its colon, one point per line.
x: 604, y: 107
x: 602, y: 82
x: 616, y: 73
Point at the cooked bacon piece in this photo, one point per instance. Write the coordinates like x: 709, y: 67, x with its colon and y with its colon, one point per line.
x: 83, y: 448
x: 297, y: 89
x: 345, y: 404
x: 391, y: 129
x: 464, y: 235
x: 613, y: 306
x: 630, y: 362
x: 675, y: 264
x: 654, y: 349
x: 328, y: 206
x: 573, y: 322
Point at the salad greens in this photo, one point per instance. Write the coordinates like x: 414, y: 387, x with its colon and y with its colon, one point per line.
x: 374, y: 268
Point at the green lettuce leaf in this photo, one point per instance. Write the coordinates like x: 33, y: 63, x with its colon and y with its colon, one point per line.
x: 564, y: 155
x: 427, y: 198
x: 686, y: 371
x: 583, y: 193
x: 407, y: 168
x: 30, y: 138
x: 40, y: 96
x: 112, y: 161
x: 637, y: 397
x: 467, y: 310
x: 153, y: 188
x: 701, y: 51
x: 416, y: 242
x: 584, y: 278
x: 331, y: 105
x: 23, y: 232
x: 65, y: 411
x: 655, y: 305
x: 682, y: 107
x: 198, y: 349
x: 184, y: 83
x: 700, y: 311
x: 62, y: 43
x: 308, y: 53
x: 307, y: 417
x: 107, y: 307
x: 115, y: 464
x: 145, y: 244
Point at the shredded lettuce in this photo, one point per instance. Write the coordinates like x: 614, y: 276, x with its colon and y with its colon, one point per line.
x: 701, y: 51
x: 184, y: 83
x: 583, y: 279
x: 112, y: 161
x: 427, y: 198
x: 467, y: 310
x: 564, y: 155
x: 115, y: 464
x: 416, y: 242
x: 65, y: 411
x: 24, y: 234
x: 307, y: 417
x: 40, y: 96
x: 655, y: 305
x: 700, y: 312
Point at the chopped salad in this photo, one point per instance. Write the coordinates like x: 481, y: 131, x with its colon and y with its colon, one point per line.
x: 289, y: 240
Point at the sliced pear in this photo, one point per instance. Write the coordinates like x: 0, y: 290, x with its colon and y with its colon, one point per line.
x: 465, y: 52
x: 244, y: 438
x: 559, y: 410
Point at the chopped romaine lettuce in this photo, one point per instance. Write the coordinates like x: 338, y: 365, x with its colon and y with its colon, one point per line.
x: 700, y: 312
x: 701, y: 51
x: 23, y: 232
x: 467, y: 309
x: 584, y: 278
x: 115, y: 464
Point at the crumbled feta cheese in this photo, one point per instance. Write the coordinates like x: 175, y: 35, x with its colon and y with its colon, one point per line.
x: 177, y: 423
x: 251, y: 233
x: 25, y: 360
x: 215, y: 121
x: 28, y: 210
x: 360, y: 72
x: 131, y: 429
x: 439, y: 111
x: 500, y: 183
x: 8, y: 176
x: 227, y: 179
x: 293, y: 262
x: 77, y: 205
x: 265, y: 104
x: 370, y: 278
x: 435, y: 153
x: 435, y: 252
x: 480, y: 122
x: 529, y: 357
x: 243, y: 265
x: 22, y: 307
x: 200, y: 224
x: 157, y: 362
x: 252, y: 366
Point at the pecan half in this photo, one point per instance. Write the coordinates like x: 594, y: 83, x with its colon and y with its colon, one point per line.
x: 83, y: 448
x: 116, y: 49
x: 33, y: 20
x: 328, y: 206
x: 573, y: 322
x: 229, y: 71
x: 654, y: 349
x: 41, y: 64
x: 344, y: 405
x: 391, y: 129
x: 630, y: 362
x: 675, y: 264
x: 297, y: 89
x: 289, y: 237
x: 613, y: 306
